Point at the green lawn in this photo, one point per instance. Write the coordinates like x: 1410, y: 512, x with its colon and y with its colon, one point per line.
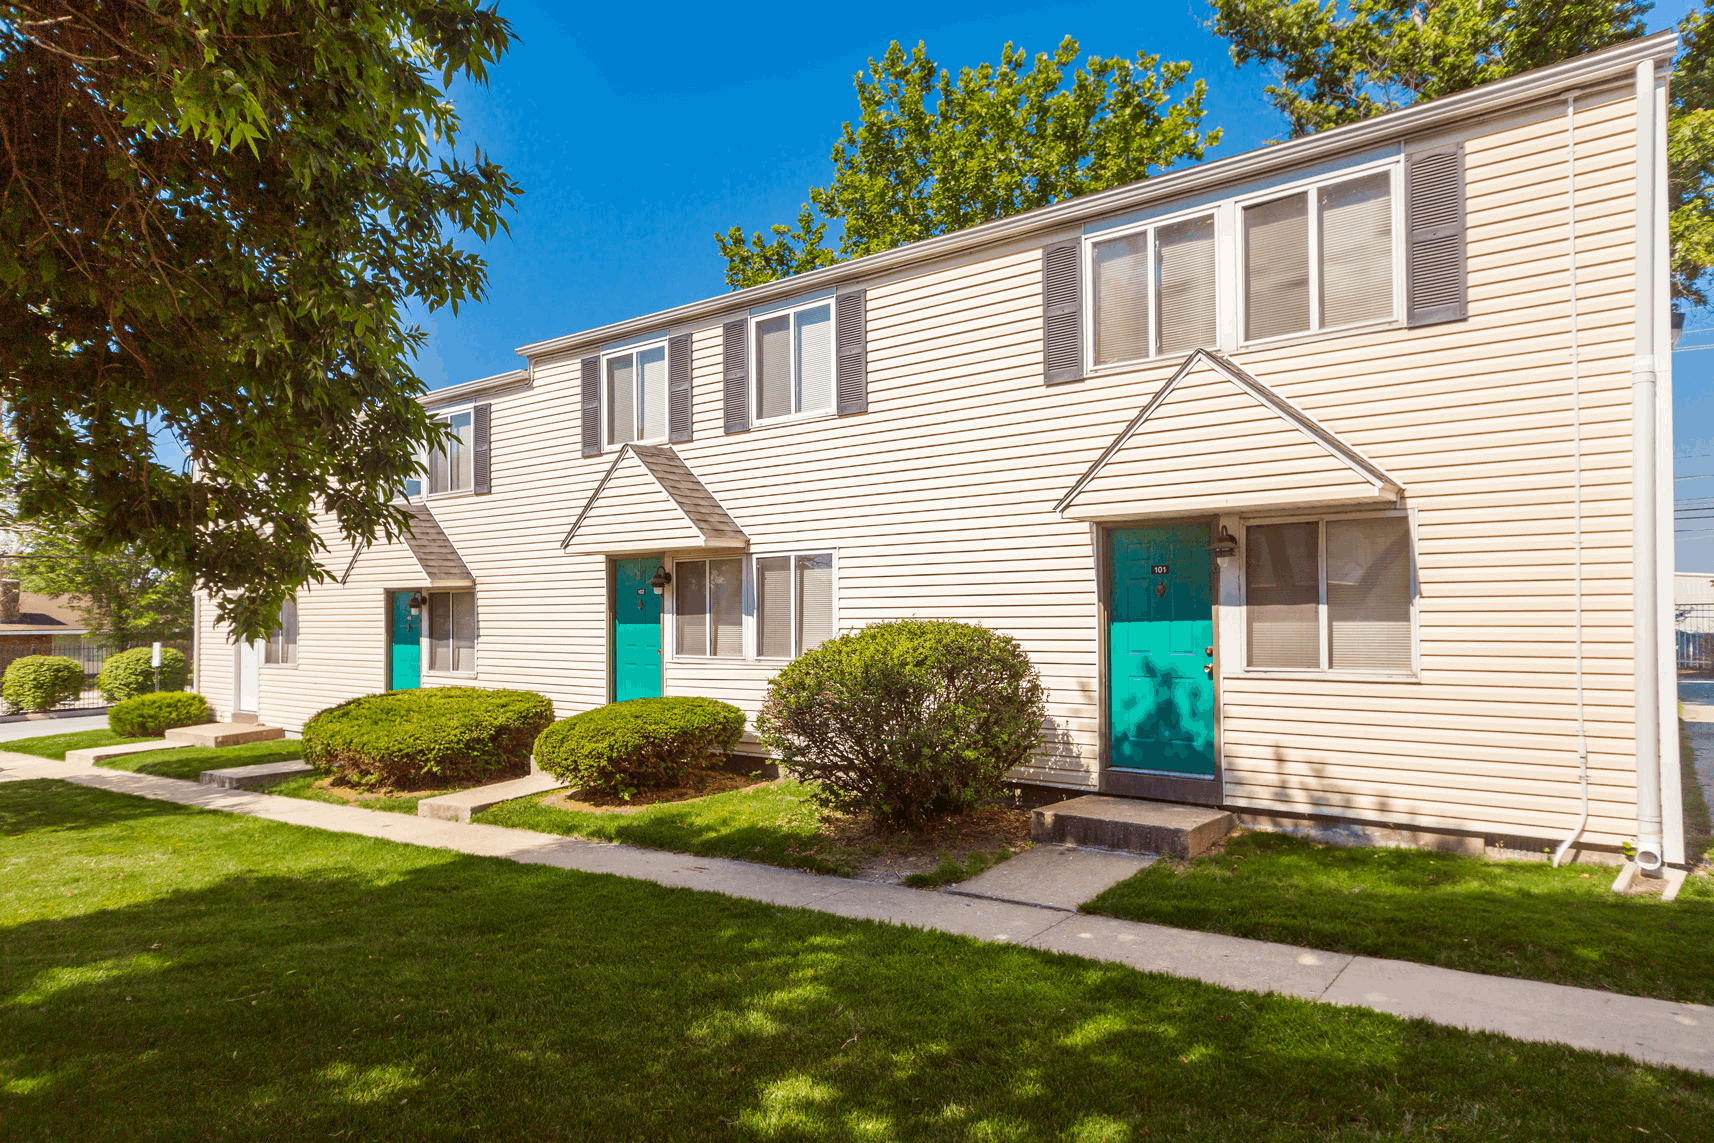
x: 169, y: 973
x: 1504, y: 918
x: 303, y: 786
x: 55, y: 745
x: 773, y: 823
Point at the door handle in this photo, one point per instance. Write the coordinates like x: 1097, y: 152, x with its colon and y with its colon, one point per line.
x: 1209, y: 668
x: 1210, y: 652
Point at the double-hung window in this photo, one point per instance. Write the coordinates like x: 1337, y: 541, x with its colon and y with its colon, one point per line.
x: 282, y: 646
x: 636, y: 391
x: 1319, y: 258
x: 1155, y: 291
x: 1330, y: 594
x: 708, y: 608
x: 794, y: 362
x: 794, y: 603
x: 452, y: 632
x: 450, y: 467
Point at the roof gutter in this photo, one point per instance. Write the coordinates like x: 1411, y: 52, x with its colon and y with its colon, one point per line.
x: 1422, y: 118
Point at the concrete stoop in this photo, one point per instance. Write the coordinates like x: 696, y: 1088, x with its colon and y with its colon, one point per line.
x: 243, y: 777
x: 1131, y: 825
x: 95, y: 755
x: 223, y: 734
x: 459, y: 806
x: 1052, y: 876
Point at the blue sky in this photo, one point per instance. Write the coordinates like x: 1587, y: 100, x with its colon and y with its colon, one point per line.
x: 637, y: 134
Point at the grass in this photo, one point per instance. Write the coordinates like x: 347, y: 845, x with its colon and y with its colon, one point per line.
x: 55, y: 745
x: 1503, y: 918
x: 1698, y: 829
x: 304, y: 786
x: 168, y: 972
x: 188, y: 762
x: 951, y: 872
x: 772, y: 823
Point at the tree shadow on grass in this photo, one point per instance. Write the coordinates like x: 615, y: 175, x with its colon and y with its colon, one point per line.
x: 289, y: 983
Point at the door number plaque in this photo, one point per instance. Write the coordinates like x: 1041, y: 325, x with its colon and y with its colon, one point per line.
x: 1160, y: 569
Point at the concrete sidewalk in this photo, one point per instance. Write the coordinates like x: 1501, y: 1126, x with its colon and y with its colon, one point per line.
x: 1654, y: 1031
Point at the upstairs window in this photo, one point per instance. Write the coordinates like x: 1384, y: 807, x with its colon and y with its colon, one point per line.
x: 708, y: 608
x: 451, y: 628
x: 1319, y: 258
x: 794, y: 603
x: 282, y: 646
x: 794, y: 362
x: 1331, y: 594
x: 1155, y: 291
x: 637, y: 396
x: 450, y: 467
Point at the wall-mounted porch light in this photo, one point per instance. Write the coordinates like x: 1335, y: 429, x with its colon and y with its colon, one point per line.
x: 660, y: 579
x: 416, y: 602
x: 1225, y: 547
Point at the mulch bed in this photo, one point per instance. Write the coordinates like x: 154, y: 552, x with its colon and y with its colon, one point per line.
x: 701, y: 783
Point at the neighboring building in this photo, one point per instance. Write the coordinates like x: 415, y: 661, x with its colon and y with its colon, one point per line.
x: 32, y: 624
x: 1377, y: 359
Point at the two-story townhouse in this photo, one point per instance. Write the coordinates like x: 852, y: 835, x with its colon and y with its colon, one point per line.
x: 1326, y: 482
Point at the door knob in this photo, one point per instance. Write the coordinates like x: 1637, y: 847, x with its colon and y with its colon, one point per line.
x: 1209, y: 668
x: 1210, y: 652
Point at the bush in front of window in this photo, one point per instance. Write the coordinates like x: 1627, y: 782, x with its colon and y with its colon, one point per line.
x: 128, y: 674
x: 150, y: 716
x: 906, y: 719
x: 433, y: 736
x: 41, y: 682
x: 618, y: 748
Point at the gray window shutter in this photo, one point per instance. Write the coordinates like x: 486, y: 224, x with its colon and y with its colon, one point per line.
x: 481, y: 480
x: 1062, y: 313
x: 852, y: 336
x: 678, y: 389
x: 1434, y: 261
x: 735, y: 374
x: 592, y: 406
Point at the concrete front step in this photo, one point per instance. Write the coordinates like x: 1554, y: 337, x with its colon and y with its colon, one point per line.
x: 458, y: 807
x: 1131, y: 825
x: 223, y: 734
x: 1053, y: 876
x: 242, y: 777
x: 95, y: 755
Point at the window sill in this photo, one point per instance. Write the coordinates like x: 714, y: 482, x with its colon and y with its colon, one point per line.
x: 1286, y: 340
x: 450, y: 495
x: 698, y: 660
x: 449, y: 674
x: 796, y: 418
x: 279, y: 666
x: 1296, y: 676
x: 609, y: 449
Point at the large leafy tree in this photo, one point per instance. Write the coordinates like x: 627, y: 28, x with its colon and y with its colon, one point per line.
x: 124, y: 597
x: 933, y: 152
x: 1338, y: 62
x: 215, y: 219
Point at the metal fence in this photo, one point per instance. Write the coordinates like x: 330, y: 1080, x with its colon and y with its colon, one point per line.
x: 1695, y: 624
x: 91, y: 655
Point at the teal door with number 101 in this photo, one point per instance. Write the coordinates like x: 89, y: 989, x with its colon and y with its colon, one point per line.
x: 636, y: 631
x: 1160, y: 644
x: 405, y: 648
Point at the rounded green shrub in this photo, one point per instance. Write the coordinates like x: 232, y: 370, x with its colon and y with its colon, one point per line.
x: 128, y: 673
x: 616, y: 749
x: 150, y: 716
x: 41, y: 682
x: 906, y: 719
x: 431, y: 736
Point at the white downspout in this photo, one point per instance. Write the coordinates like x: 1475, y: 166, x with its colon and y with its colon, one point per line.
x: 1651, y: 844
x: 1576, y: 476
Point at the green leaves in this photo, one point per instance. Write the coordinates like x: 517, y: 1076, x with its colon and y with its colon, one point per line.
x: 933, y: 152
x: 214, y: 221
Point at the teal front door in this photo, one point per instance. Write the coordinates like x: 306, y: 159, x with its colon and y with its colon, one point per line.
x: 636, y: 631
x: 1160, y: 643
x: 404, y: 643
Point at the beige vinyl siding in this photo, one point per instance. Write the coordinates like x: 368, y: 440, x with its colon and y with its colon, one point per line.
x: 939, y: 503
x: 632, y: 514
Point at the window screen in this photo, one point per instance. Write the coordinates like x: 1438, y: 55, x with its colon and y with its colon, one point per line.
x: 283, y: 643
x: 652, y: 392
x: 726, y: 608
x: 1276, y: 267
x: 690, y: 607
x: 452, y: 631
x: 774, y: 367
x: 1368, y: 594
x: 1185, y: 251
x: 1282, y: 604
x: 1121, y: 269
x: 449, y: 468
x: 621, y: 400
x: 774, y: 607
x: 1357, y: 250
x: 815, y: 359
x: 814, y: 601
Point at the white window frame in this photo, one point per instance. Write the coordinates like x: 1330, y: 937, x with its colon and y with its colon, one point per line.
x: 426, y: 639
x: 669, y: 609
x: 1394, y: 167
x: 791, y: 310
x: 752, y: 621
x: 1414, y: 674
x: 444, y: 414
x: 632, y: 349
x: 278, y: 634
x: 1210, y: 211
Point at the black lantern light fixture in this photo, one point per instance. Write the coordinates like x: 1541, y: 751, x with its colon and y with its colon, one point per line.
x: 660, y: 579
x: 416, y: 602
x: 1224, y: 547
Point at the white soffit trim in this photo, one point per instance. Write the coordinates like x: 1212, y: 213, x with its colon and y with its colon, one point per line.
x: 481, y: 387
x: 1330, y: 442
x: 696, y: 507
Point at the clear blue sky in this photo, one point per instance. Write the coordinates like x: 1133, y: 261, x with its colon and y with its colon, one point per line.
x: 638, y: 134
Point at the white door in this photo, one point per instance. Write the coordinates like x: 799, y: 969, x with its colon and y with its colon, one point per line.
x: 247, y: 678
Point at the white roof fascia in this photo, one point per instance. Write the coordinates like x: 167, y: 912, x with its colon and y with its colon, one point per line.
x: 1458, y: 109
x: 482, y: 386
